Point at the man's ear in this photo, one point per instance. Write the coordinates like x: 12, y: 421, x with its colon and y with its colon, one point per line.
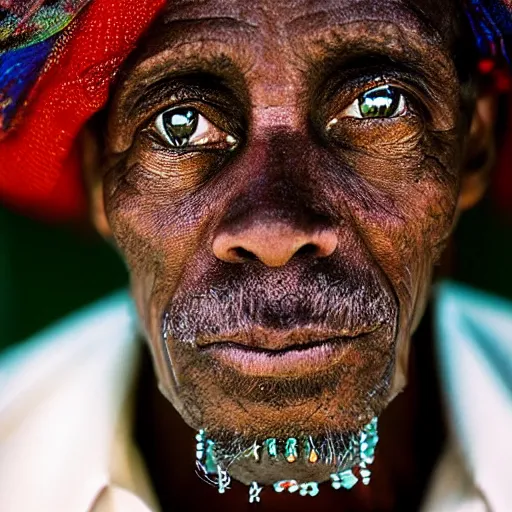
x: 480, y: 154
x: 91, y: 160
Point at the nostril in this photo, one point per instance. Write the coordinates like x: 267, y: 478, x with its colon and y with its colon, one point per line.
x: 307, y: 250
x: 244, y: 254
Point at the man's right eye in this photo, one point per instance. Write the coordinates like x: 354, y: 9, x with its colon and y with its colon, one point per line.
x: 187, y: 128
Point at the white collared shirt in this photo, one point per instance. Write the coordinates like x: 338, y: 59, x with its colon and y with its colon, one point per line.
x: 65, y: 423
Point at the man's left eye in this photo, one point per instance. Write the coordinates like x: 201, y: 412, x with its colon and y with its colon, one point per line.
x: 378, y: 103
x: 186, y: 127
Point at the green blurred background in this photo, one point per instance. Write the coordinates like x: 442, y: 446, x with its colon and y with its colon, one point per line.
x: 47, y: 272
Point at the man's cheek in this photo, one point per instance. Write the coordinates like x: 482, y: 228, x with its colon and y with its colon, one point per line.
x: 143, y: 232
x: 405, y: 235
x: 158, y: 243
x: 145, y: 251
x: 405, y: 232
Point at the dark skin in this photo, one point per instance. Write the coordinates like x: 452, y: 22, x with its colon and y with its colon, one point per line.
x: 281, y: 250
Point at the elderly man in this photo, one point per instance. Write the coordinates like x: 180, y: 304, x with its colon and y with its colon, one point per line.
x: 281, y: 179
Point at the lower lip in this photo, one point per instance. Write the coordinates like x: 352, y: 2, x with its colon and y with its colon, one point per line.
x: 287, y: 363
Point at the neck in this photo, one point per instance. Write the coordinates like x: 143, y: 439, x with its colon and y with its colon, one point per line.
x: 411, y: 433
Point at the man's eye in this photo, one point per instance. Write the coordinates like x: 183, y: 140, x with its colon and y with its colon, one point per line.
x: 382, y: 102
x: 185, y: 127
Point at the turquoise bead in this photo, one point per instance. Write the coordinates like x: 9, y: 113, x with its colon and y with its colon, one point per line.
x: 348, y: 479
x: 345, y: 479
x: 271, y: 445
x: 309, y: 489
x: 290, y: 450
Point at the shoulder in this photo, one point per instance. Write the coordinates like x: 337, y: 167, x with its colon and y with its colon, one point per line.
x: 474, y: 347
x: 61, y: 393
x: 474, y: 344
x: 94, y: 331
x: 483, y: 320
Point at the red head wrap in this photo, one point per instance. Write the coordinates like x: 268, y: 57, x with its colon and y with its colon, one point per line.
x: 39, y: 166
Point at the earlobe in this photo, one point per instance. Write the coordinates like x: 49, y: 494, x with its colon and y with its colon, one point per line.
x: 480, y: 152
x: 91, y: 166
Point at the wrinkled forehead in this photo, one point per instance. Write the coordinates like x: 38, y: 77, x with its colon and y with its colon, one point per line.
x: 291, y: 19
x: 285, y: 12
x: 298, y: 30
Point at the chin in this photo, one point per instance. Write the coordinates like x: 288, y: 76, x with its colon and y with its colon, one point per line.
x: 336, y: 385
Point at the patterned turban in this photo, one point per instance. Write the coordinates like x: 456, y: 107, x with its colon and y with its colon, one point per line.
x: 58, y: 59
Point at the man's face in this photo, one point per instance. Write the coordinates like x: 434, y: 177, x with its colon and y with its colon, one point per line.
x: 281, y: 178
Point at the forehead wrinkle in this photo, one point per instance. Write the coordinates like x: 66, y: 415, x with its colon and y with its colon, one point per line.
x: 249, y: 13
x: 391, y: 11
x: 195, y: 45
x: 359, y: 35
x: 228, y: 33
x: 226, y: 20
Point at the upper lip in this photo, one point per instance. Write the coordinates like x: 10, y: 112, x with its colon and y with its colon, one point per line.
x: 262, y: 338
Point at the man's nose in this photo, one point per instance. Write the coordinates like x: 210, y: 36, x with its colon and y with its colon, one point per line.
x: 273, y: 243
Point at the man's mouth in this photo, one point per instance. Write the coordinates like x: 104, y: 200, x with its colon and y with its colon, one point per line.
x: 312, y: 354
x: 313, y: 363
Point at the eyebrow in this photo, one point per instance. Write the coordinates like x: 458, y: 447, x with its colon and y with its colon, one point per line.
x: 221, y: 54
x: 407, y: 36
x: 209, y: 88
x: 341, y: 48
x: 228, y: 33
x: 211, y: 74
x: 345, y: 55
x: 176, y: 57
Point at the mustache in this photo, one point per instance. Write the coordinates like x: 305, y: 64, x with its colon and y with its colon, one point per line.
x: 345, y: 301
